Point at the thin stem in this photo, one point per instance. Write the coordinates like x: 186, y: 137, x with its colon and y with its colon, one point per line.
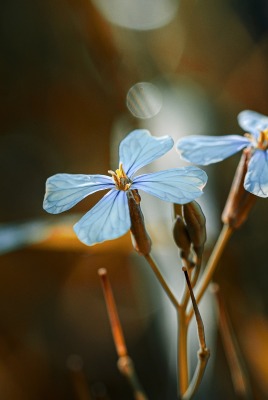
x: 183, y: 373
x: 125, y: 364
x: 239, y: 376
x: 116, y: 327
x: 198, y: 376
x: 162, y: 281
x: 186, y: 294
x: 182, y: 328
x: 203, y: 353
x: 126, y: 367
x: 212, y: 264
x: 193, y: 274
x: 199, y: 322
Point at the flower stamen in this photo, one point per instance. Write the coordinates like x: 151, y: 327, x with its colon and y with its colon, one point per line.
x: 263, y: 140
x: 121, y: 180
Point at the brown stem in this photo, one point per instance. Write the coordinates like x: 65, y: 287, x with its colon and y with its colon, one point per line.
x: 203, y: 352
x: 197, y: 377
x: 125, y: 364
x: 183, y: 373
x: 162, y: 281
x: 239, y: 201
x: 212, y: 264
x: 193, y: 275
x: 239, y: 376
x: 126, y: 367
x: 140, y: 238
x: 116, y: 327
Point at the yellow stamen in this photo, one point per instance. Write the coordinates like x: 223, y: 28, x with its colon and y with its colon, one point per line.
x: 263, y: 140
x: 120, y: 172
x: 265, y: 133
x: 121, y: 180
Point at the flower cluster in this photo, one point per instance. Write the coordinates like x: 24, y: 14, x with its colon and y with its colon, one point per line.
x: 110, y: 217
x: 119, y: 211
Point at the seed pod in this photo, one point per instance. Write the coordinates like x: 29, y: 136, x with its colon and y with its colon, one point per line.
x: 181, y: 237
x: 140, y: 238
x: 177, y: 208
x: 196, y: 225
x: 239, y: 201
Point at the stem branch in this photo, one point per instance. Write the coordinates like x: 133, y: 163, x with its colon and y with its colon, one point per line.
x: 162, y: 281
x: 212, y: 264
x: 198, y: 375
x: 203, y: 352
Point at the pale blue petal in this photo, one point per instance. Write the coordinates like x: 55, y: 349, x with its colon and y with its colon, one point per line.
x: 63, y: 191
x: 108, y: 219
x: 178, y: 185
x: 252, y: 122
x: 204, y: 150
x: 139, y: 148
x: 256, y: 180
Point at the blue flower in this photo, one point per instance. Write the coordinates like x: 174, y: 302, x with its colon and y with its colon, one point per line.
x: 204, y: 150
x: 110, y: 217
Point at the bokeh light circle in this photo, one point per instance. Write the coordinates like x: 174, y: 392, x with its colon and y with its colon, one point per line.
x: 138, y: 14
x: 144, y: 100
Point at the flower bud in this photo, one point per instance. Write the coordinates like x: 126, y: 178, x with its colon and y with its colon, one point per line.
x: 196, y: 223
x: 177, y: 208
x: 196, y: 226
x: 239, y: 201
x: 181, y: 237
x: 140, y: 238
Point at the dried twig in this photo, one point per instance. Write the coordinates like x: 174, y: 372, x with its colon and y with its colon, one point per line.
x: 125, y: 364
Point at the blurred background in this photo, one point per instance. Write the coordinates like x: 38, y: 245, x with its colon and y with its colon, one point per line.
x: 76, y: 77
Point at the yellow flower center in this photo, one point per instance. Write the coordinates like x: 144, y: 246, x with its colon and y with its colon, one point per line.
x: 121, y: 180
x: 263, y: 140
